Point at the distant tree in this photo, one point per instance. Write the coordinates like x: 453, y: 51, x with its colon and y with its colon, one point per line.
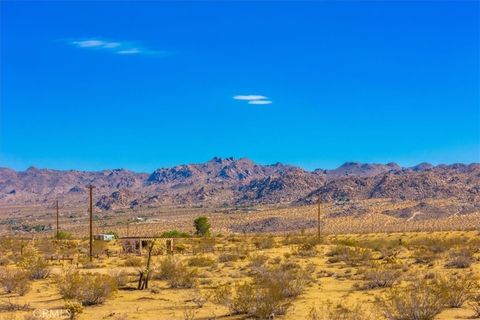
x: 202, y: 226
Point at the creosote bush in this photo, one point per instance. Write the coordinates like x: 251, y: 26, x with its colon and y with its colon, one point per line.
x: 201, y: 261
x: 88, y: 288
x: 176, y: 273
x: 265, y: 297
x: 264, y: 242
x: 250, y: 299
x: 460, y: 258
x: 14, y: 280
x: 419, y: 301
x: 351, y: 256
x: 380, y: 277
x: 133, y: 261
x: 456, y: 289
x: 34, y: 264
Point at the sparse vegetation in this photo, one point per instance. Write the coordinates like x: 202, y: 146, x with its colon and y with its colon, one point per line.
x: 14, y: 280
x: 88, y: 288
x: 419, y: 301
x: 261, y: 276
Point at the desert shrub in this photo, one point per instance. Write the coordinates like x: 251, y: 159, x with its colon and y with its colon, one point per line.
x: 345, y: 242
x: 121, y: 278
x: 202, y: 226
x: 419, y: 301
x: 165, y: 267
x: 201, y: 261
x: 88, y: 288
x: 460, y: 258
x: 264, y: 242
x: 97, y: 288
x: 340, y: 312
x: 14, y: 280
x: 200, y: 298
x: 9, y: 306
x: 175, y: 234
x: 456, y: 289
x: 175, y: 273
x: 63, y: 235
x: 437, y: 245
x: 288, y: 279
x: 4, y: 260
x: 133, y: 261
x: 351, y: 256
x: 257, y: 261
x: 251, y: 299
x: 227, y: 257
x: 266, y: 296
x: 380, y: 277
x: 183, y: 277
x: 34, y: 264
x: 425, y: 256
x: 74, y: 308
x: 204, y: 245
x: 474, y: 303
x: 306, y: 250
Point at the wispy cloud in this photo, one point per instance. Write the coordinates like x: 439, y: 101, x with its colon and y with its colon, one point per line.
x: 116, y: 47
x: 253, y: 99
x: 259, y: 102
x: 249, y: 97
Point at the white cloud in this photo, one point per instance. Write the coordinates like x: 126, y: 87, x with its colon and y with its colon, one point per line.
x: 259, y: 102
x: 118, y: 47
x: 253, y: 99
x: 129, y: 51
x: 249, y: 97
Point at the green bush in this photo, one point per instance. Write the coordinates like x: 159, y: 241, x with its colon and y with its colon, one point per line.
x: 63, y: 235
x: 175, y: 234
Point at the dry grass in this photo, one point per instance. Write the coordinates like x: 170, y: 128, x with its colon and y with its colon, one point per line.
x: 291, y: 277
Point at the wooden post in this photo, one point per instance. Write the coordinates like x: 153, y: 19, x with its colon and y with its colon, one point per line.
x: 319, y: 217
x: 58, y: 230
x: 91, y: 221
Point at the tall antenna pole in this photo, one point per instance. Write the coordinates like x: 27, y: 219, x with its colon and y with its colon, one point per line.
x: 58, y: 230
x: 319, y: 217
x: 91, y: 221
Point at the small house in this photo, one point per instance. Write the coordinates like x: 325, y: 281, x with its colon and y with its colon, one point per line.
x: 104, y: 237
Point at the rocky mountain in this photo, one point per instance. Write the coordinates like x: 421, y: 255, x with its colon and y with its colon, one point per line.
x: 238, y: 182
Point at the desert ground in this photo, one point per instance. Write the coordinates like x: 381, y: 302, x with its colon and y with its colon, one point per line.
x: 257, y: 263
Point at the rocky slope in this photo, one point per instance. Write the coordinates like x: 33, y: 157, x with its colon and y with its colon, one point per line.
x: 239, y: 182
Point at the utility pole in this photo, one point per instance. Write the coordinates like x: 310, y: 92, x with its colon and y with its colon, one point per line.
x: 319, y: 217
x: 58, y: 230
x: 90, y: 187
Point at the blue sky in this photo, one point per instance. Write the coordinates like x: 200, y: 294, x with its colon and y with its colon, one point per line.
x: 141, y: 85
